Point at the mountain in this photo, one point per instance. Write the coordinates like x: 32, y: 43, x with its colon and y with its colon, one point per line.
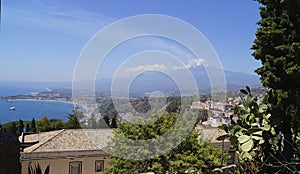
x: 156, y: 81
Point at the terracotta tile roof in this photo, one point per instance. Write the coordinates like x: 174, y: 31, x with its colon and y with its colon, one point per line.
x: 69, y: 140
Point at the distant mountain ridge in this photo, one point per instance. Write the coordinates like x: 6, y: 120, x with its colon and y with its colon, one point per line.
x: 156, y: 81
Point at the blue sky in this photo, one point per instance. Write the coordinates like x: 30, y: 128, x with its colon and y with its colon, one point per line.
x: 41, y: 40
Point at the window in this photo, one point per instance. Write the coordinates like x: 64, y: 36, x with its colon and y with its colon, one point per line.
x: 75, y: 167
x: 99, y: 165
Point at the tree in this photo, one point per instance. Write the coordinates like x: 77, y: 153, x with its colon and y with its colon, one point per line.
x: 174, y: 104
x: 203, y: 115
x: 277, y: 46
x: 13, y: 129
x: 58, y: 124
x: 44, y: 124
x: 36, y: 169
x: 33, y: 128
x: 106, y: 119
x: 187, y: 156
x: 114, y: 123
x: 74, y: 119
x: 27, y: 127
x: 20, y: 127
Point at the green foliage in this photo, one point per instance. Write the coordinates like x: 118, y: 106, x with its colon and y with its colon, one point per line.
x: 57, y: 124
x: 12, y: 128
x: 74, y: 119
x: 256, y: 141
x: 37, y: 169
x: 174, y: 104
x: 27, y: 127
x: 107, y: 107
x: 189, y: 155
x: 114, y: 123
x: 277, y: 45
x: 203, y: 115
x: 20, y: 127
x: 44, y: 124
x: 106, y: 119
x: 141, y: 105
x: 32, y: 127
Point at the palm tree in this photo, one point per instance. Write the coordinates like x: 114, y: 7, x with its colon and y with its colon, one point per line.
x: 37, y: 169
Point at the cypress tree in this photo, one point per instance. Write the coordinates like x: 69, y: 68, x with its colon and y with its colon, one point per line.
x: 33, y: 128
x: 277, y: 46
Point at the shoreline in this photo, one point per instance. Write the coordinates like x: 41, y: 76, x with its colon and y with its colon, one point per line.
x: 42, y: 101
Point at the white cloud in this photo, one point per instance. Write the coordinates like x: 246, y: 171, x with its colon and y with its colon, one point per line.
x: 197, y: 62
x: 182, y: 67
x: 192, y: 63
x: 138, y: 69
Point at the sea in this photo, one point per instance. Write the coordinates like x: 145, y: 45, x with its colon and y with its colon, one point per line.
x: 29, y: 109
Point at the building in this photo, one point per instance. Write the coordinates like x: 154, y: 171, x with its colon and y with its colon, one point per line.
x: 74, y: 151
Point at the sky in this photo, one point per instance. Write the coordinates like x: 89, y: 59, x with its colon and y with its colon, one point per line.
x: 41, y: 40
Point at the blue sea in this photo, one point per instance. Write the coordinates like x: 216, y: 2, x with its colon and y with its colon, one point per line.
x: 27, y: 109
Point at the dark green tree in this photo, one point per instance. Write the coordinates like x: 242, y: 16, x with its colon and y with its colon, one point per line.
x: 32, y: 127
x: 114, y: 123
x: 189, y: 155
x: 277, y: 46
x: 107, y: 121
x: 13, y: 129
x: 36, y: 169
x: 1, y: 128
x: 174, y: 104
x: 58, y: 124
x: 44, y: 124
x: 74, y: 119
x: 27, y: 127
x: 203, y: 115
x: 20, y: 127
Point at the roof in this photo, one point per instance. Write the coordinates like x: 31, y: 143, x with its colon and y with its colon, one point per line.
x: 212, y: 134
x: 69, y: 140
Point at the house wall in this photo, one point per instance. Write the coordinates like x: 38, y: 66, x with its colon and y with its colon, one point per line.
x: 61, y: 165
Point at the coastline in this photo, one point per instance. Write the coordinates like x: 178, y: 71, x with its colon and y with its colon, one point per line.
x: 57, y: 101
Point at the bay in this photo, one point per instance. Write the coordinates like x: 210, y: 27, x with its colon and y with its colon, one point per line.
x: 28, y: 109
